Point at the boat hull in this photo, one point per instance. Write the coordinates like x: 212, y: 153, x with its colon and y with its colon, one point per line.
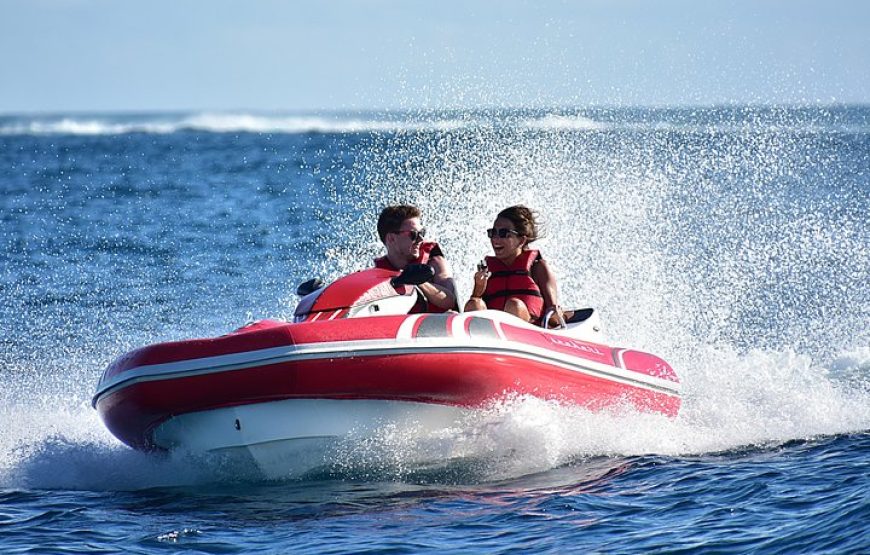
x: 289, y: 438
x: 275, y: 378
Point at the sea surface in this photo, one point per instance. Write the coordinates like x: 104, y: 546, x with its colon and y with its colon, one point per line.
x: 734, y: 242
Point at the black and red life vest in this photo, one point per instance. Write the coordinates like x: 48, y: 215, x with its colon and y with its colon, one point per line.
x: 514, y: 281
x: 427, y: 250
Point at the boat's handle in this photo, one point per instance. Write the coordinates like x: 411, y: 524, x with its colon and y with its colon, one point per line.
x: 545, y: 321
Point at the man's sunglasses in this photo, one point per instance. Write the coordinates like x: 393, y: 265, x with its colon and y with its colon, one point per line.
x: 415, y: 235
x: 502, y: 232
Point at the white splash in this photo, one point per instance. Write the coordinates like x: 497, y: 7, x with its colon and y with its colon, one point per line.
x: 558, y: 122
x: 732, y: 401
x: 695, y: 251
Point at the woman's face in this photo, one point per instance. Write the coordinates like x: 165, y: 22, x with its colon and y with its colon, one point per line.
x: 510, y: 246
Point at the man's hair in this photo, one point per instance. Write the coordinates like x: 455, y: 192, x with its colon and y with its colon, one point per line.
x: 391, y: 219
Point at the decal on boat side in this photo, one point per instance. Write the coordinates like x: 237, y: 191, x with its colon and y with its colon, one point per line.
x: 575, y: 345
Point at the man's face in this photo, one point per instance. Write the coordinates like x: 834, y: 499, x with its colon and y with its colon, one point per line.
x: 406, y: 242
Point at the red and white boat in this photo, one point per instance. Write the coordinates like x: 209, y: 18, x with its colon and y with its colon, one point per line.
x: 355, y: 359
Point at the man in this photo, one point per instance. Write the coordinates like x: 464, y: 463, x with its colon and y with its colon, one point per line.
x: 401, y: 232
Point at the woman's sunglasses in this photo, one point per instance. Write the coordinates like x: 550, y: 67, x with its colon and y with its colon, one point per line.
x: 502, y: 232
x: 415, y: 235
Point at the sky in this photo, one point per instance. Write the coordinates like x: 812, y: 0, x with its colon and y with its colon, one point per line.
x: 269, y: 55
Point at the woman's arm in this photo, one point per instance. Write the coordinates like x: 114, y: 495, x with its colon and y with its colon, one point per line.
x: 546, y: 282
x: 481, y: 277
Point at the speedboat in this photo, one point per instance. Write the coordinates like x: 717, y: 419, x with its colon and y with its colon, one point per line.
x: 357, y: 357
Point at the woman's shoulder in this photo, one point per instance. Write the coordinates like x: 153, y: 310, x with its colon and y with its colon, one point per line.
x: 536, y: 255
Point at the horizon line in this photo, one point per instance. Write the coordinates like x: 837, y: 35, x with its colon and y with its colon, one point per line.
x: 411, y: 110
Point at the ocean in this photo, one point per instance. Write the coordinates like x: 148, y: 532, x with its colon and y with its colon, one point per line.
x: 731, y: 241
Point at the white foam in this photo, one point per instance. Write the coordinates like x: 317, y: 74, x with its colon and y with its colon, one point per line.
x: 225, y: 123
x: 731, y: 401
x: 87, y: 126
x: 52, y: 443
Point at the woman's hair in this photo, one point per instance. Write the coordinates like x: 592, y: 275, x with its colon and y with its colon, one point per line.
x: 391, y: 219
x: 524, y: 221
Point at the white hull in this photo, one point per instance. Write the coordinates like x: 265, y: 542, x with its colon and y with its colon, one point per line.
x: 286, y: 439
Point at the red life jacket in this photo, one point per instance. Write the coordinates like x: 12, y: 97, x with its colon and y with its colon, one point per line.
x: 514, y: 281
x: 427, y: 251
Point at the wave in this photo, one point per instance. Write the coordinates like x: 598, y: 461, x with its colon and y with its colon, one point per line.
x: 254, y: 123
x: 220, y: 123
x: 616, y: 121
x: 771, y: 398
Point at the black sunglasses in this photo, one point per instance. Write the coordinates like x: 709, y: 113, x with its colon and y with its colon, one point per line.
x: 415, y: 235
x: 502, y: 232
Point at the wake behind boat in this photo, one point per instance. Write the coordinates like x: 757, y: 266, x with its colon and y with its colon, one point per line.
x: 357, y: 358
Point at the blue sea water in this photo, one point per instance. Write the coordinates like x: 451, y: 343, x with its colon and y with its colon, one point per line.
x: 733, y: 242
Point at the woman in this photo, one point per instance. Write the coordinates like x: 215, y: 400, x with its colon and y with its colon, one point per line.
x: 517, y: 279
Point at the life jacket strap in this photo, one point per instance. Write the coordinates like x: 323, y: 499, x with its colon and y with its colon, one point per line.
x: 512, y: 293
x: 508, y: 273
